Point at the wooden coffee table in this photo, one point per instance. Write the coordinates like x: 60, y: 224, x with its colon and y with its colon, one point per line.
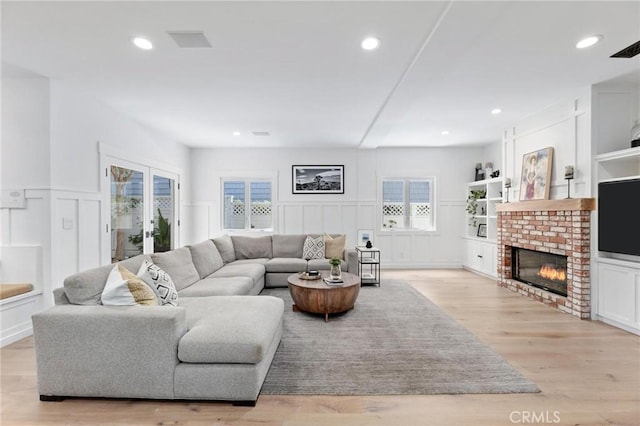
x: 318, y: 297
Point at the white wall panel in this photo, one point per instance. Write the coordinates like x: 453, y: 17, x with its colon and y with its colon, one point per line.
x: 332, y: 219
x: 28, y: 226
x: 290, y: 218
x: 89, y: 234
x: 65, y: 240
x: 312, y: 222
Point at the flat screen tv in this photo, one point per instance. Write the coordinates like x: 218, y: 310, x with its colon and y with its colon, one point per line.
x: 619, y: 216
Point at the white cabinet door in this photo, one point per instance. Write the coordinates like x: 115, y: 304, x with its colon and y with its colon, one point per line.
x: 481, y: 257
x: 619, y: 294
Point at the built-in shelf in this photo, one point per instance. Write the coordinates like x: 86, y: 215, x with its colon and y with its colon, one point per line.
x: 542, y: 205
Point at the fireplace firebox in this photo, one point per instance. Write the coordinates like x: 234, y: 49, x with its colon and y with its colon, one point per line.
x: 547, y: 271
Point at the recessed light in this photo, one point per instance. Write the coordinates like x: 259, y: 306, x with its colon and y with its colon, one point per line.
x: 589, y: 41
x: 370, y: 43
x: 236, y: 133
x: 444, y: 132
x: 496, y: 111
x: 142, y: 43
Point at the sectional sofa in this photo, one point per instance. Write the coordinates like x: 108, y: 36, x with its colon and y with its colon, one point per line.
x: 216, y: 344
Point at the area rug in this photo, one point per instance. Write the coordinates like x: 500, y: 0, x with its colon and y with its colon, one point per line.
x: 394, y: 342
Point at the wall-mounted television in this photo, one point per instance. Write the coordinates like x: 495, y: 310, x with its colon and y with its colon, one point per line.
x: 619, y: 216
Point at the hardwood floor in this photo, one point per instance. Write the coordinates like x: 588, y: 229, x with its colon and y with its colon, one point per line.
x: 588, y: 372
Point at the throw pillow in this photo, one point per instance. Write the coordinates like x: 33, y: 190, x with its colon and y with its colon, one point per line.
x: 160, y: 282
x: 313, y: 248
x: 334, y: 247
x: 123, y: 288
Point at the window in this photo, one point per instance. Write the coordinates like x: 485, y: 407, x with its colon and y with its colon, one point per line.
x: 408, y: 204
x: 247, y: 204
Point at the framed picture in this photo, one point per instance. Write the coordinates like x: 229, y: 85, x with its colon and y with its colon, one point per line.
x: 318, y: 179
x: 482, y: 230
x: 535, y: 178
x: 364, y: 235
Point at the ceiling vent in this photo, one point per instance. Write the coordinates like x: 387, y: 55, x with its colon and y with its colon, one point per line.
x: 261, y: 134
x: 628, y: 52
x: 189, y: 39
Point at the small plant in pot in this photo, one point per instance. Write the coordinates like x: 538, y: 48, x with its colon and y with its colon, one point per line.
x: 336, y: 272
x: 472, y: 204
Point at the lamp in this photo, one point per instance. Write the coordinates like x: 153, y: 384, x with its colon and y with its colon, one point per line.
x: 507, y: 185
x: 568, y: 175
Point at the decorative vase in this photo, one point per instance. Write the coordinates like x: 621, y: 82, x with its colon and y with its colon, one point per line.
x: 369, y: 245
x: 635, y: 134
x: 336, y: 272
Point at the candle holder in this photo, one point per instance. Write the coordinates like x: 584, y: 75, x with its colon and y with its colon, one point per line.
x: 507, y: 185
x: 568, y: 175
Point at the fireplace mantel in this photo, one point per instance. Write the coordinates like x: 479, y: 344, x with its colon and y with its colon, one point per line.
x: 549, y: 205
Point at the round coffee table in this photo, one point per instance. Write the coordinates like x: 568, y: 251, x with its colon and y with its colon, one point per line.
x: 318, y: 297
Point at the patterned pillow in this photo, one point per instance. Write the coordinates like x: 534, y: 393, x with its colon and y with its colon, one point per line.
x: 160, y: 282
x: 123, y: 288
x: 313, y: 248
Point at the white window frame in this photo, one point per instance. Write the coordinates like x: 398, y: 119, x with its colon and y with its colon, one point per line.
x: 406, y: 179
x: 247, y: 178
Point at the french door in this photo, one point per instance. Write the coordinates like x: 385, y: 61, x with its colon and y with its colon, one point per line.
x: 140, y: 209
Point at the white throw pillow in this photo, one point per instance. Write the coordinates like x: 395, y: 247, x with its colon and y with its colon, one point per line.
x: 160, y: 282
x: 123, y: 288
x: 313, y: 248
x: 334, y: 247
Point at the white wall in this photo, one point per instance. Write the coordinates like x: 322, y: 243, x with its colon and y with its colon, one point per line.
x: 50, y: 136
x: 345, y: 213
x: 566, y: 127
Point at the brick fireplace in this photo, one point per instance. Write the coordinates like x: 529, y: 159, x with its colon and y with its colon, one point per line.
x: 561, y: 227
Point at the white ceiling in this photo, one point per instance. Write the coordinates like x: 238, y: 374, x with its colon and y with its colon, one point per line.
x: 296, y: 69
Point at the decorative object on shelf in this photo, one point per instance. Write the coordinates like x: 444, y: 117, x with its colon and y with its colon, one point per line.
x: 368, y: 245
x: 488, y: 170
x: 568, y: 175
x: 317, y: 179
x: 479, y: 172
x: 336, y: 271
x: 482, y: 230
x: 472, y: 203
x: 364, y: 237
x: 536, y: 175
x: 495, y: 174
x: 507, y: 186
x: 635, y: 134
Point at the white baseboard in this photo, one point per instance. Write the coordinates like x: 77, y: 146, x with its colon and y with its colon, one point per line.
x: 16, y: 333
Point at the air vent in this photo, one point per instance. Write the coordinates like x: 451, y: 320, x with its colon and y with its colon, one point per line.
x: 628, y: 52
x: 260, y: 133
x: 189, y: 39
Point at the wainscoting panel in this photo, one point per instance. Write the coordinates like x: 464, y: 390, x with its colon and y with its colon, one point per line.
x: 312, y: 222
x: 89, y: 234
x: 65, y: 231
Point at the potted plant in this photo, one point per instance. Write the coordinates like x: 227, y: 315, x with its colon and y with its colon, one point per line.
x: 336, y: 272
x: 472, y: 203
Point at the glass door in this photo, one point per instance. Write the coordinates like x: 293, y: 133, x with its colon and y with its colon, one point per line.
x: 164, y: 210
x: 128, y: 236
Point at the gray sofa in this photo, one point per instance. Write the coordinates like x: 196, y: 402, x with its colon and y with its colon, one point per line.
x: 217, y: 344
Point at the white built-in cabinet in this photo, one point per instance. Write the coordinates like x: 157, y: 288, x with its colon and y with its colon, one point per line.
x: 617, y: 283
x: 482, y: 228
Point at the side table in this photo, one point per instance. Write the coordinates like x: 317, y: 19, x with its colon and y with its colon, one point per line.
x: 368, y: 265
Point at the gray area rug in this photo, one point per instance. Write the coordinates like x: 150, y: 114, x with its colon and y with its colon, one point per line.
x: 394, y: 342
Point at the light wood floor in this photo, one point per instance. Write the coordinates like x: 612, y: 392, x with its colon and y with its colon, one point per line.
x: 589, y: 374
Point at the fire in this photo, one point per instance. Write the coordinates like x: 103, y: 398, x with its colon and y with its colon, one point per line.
x: 552, y: 273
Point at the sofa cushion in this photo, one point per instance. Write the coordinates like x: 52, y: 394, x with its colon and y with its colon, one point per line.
x: 324, y: 265
x: 225, y: 248
x: 178, y: 264
x: 124, y: 288
x: 250, y: 324
x: 258, y: 261
x: 252, y: 247
x: 313, y: 248
x: 228, y: 286
x: 334, y: 246
x: 286, y: 264
x: 288, y: 245
x: 160, y: 282
x: 254, y: 271
x: 206, y: 258
x: 85, y: 288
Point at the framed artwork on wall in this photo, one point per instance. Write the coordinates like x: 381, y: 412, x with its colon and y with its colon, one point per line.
x: 535, y: 178
x: 317, y: 179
